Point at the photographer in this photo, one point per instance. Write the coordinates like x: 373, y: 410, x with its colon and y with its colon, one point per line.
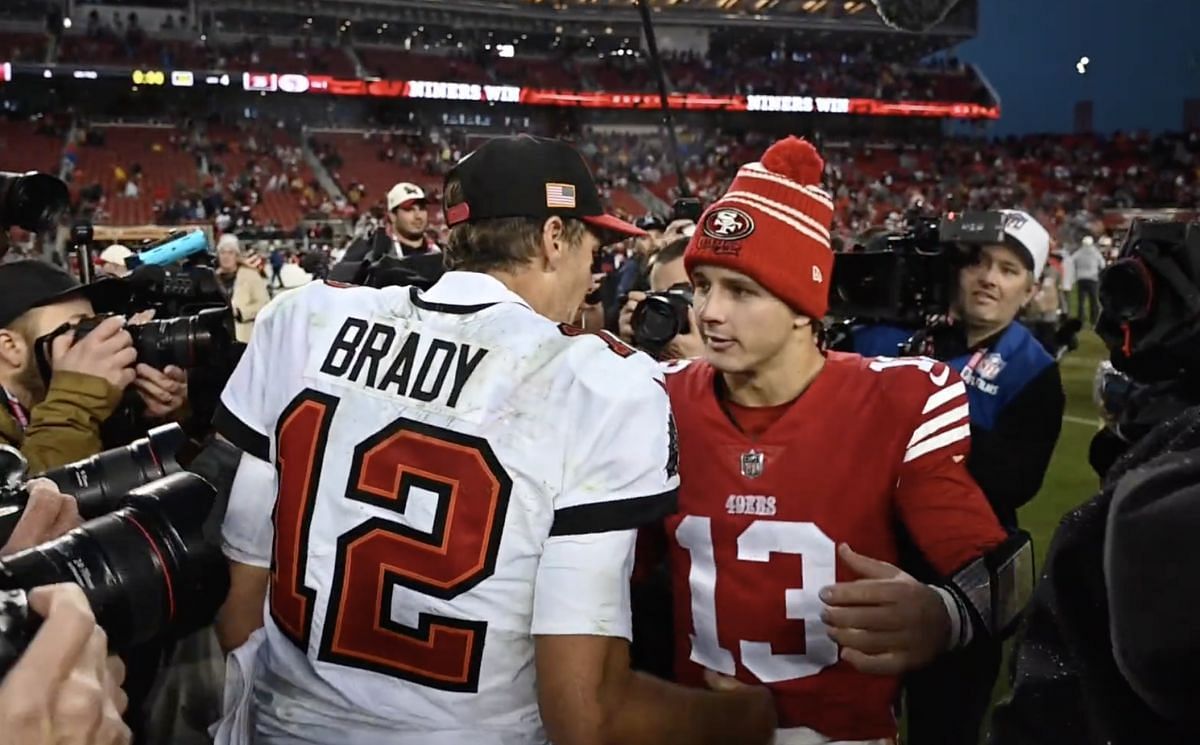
x: 55, y: 402
x: 1110, y: 645
x: 667, y: 276
x: 1016, y: 404
x: 404, y: 235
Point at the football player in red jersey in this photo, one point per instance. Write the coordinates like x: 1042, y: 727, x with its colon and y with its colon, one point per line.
x: 799, y: 467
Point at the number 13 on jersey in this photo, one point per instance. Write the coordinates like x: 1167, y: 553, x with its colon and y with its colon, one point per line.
x: 756, y: 544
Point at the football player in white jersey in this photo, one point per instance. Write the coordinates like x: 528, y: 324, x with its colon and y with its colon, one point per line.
x: 432, y: 527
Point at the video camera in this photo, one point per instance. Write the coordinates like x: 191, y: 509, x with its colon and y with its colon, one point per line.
x: 141, y: 560
x: 419, y: 270
x: 1150, y: 302
x: 906, y: 278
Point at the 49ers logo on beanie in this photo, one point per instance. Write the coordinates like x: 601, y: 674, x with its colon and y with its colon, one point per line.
x: 728, y: 224
x: 773, y: 226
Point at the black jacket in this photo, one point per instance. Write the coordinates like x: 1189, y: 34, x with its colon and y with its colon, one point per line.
x: 1111, y: 640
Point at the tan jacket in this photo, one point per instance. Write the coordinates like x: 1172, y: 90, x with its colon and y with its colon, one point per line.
x: 65, y: 427
x: 248, y: 298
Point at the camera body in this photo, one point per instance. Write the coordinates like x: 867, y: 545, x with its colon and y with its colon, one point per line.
x: 908, y: 277
x: 660, y: 317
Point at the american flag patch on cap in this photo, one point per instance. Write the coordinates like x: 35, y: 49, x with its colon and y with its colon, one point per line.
x: 560, y: 195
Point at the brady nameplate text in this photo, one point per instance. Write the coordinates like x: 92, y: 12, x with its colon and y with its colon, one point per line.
x: 381, y: 357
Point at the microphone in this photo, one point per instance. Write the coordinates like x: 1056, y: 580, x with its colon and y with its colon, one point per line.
x: 171, y: 250
x: 916, y: 16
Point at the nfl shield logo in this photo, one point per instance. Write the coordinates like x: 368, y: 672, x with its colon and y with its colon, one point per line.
x: 752, y: 464
x: 990, y: 367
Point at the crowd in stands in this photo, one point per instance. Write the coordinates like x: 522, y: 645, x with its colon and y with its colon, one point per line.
x: 876, y: 182
x: 300, y: 43
x: 254, y: 176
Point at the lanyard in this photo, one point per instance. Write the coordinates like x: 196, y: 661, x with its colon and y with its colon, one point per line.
x: 18, y: 410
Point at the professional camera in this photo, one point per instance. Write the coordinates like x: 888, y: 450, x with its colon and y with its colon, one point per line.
x: 420, y: 271
x: 145, y: 569
x: 99, y: 483
x: 187, y: 342
x: 661, y: 317
x: 1150, y: 302
x: 687, y: 208
x: 908, y: 277
x: 33, y: 201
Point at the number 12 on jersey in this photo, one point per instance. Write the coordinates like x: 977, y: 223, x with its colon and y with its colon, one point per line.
x: 456, y: 553
x: 756, y: 543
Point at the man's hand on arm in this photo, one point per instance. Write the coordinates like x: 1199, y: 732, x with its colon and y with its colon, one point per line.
x: 48, y: 514
x: 886, y: 622
x: 588, y: 695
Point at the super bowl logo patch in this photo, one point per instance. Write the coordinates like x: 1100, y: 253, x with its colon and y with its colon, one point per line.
x: 728, y: 224
x: 989, y: 367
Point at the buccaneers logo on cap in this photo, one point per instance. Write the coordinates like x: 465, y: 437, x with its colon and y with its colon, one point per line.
x: 728, y: 224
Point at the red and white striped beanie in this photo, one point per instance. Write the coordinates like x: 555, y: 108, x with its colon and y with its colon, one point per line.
x: 773, y: 226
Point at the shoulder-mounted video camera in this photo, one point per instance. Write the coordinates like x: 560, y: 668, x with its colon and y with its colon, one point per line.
x: 1150, y: 302
x: 906, y: 278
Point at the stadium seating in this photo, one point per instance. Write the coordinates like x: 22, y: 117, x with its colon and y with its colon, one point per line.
x: 22, y: 47
x: 22, y: 148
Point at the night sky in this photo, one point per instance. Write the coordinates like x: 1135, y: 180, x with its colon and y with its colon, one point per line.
x: 1145, y: 60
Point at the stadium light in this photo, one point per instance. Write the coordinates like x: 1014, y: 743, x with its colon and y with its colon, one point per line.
x: 66, y: 23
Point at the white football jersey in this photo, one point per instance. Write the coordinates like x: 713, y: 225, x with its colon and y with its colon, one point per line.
x: 449, y: 474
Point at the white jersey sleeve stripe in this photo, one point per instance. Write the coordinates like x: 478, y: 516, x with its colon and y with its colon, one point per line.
x: 937, y: 442
x: 944, y: 395
x: 938, y: 423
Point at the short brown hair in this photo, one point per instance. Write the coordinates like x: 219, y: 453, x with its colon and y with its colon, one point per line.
x: 498, y: 243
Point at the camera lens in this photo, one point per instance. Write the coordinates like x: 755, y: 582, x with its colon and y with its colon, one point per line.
x: 1126, y: 290
x: 100, y: 483
x: 655, y: 322
x: 185, y: 342
x: 145, y: 568
x: 33, y: 201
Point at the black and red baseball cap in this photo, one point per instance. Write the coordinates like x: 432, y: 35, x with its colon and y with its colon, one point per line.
x: 527, y: 176
x: 30, y: 284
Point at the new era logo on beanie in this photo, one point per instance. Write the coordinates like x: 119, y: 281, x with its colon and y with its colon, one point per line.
x: 773, y: 226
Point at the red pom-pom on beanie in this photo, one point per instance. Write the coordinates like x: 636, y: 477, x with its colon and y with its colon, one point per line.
x: 795, y: 158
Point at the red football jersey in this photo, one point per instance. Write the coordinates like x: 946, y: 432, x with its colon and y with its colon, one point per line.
x: 871, y: 443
